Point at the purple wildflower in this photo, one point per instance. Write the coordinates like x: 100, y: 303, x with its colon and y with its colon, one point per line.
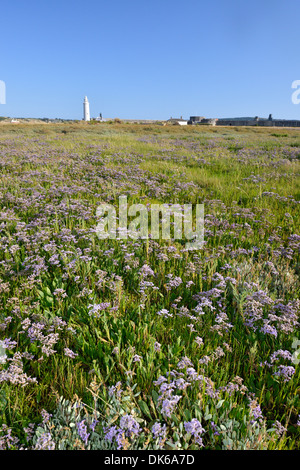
x: 112, y: 432
x: 7, y: 441
x: 115, y: 390
x: 82, y: 431
x: 281, y: 353
x: 184, y: 362
x: 46, y: 416
x: 130, y: 425
x: 29, y: 431
x: 168, y: 405
x: 214, y: 428
x: 93, y: 424
x: 136, y: 358
x: 96, y: 309
x: 199, y: 341
x: 195, y: 428
x: 164, y: 313
x: 286, y: 372
x: 279, y: 429
x: 159, y: 432
x: 45, y: 442
x: 255, y: 411
x: 70, y: 353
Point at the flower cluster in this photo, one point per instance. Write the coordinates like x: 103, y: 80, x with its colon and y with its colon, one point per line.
x: 128, y: 428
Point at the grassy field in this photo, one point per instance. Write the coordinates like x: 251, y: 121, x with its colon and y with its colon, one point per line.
x: 141, y: 344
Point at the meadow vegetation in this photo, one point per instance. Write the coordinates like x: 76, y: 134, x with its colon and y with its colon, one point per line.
x: 141, y: 344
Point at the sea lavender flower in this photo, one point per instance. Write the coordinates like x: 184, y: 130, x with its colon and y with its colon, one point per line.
x: 174, y: 282
x: 136, y: 358
x: 168, y: 405
x: 192, y: 374
x: 146, y: 271
x: 189, y: 284
x: 166, y: 389
x: 45, y: 442
x: 115, y: 390
x: 214, y: 428
x: 60, y: 293
x: 82, y: 431
x: 199, y: 341
x: 279, y: 429
x: 70, y: 353
x: 218, y: 353
x: 184, y: 362
x: 164, y: 313
x: 29, y: 431
x: 5, y: 323
x: 14, y: 374
x: 129, y: 424
x: 286, y: 372
x: 96, y: 309
x: 204, y: 360
x: 159, y: 432
x: 195, y: 428
x: 281, y: 353
x: 93, y: 424
x: 7, y: 441
x: 46, y: 416
x: 160, y: 380
x: 111, y: 433
x: 129, y: 427
x: 268, y: 329
x: 255, y: 411
x: 181, y: 384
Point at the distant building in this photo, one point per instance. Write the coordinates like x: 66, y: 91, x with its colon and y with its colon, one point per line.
x: 258, y: 121
x: 195, y: 119
x: 244, y: 121
x: 100, y: 118
x: 86, y: 110
x: 180, y: 121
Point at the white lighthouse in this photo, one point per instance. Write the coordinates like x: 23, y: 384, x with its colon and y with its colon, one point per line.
x: 86, y: 109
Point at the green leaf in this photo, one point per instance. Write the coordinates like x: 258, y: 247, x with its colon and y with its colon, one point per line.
x: 155, y: 396
x: 219, y: 404
x: 48, y: 291
x: 40, y: 294
x: 187, y: 415
x: 171, y: 444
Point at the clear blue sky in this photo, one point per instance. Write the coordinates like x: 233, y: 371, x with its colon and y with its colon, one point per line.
x: 149, y: 59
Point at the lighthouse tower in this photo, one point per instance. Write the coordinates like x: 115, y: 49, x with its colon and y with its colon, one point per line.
x: 86, y: 109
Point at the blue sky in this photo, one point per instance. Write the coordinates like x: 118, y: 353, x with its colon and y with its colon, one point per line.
x: 149, y: 59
